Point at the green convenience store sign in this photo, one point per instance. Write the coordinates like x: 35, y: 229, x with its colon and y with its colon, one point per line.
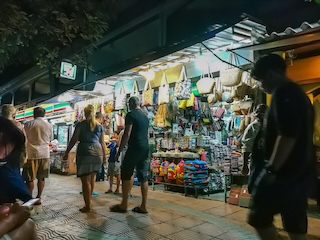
x: 27, y: 114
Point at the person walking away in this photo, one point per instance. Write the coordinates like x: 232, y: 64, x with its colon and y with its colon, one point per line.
x: 91, y: 152
x: 39, y: 135
x: 12, y: 141
x: 250, y: 134
x: 283, y: 183
x: 136, y: 135
x: 113, y: 166
x: 8, y: 111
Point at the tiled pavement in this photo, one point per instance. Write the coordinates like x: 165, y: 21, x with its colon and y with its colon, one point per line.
x: 171, y: 216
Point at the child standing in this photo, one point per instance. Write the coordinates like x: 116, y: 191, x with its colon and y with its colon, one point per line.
x: 113, y: 167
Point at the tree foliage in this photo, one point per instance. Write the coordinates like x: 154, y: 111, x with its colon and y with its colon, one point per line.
x: 40, y: 31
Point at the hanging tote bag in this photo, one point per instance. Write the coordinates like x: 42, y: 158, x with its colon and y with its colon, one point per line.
x: 121, y: 99
x: 231, y: 76
x: 135, y: 91
x: 244, y: 88
x: 164, y: 94
x: 183, y: 86
x: 218, y: 90
x: 147, y: 94
x: 206, y: 83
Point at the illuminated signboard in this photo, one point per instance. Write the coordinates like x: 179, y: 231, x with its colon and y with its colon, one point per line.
x: 68, y: 70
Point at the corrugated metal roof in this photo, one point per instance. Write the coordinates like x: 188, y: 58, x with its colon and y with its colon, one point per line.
x: 304, y: 28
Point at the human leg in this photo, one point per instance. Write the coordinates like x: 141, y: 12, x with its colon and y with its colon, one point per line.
x: 144, y: 193
x: 42, y: 170
x: 86, y: 190
x: 126, y: 189
x: 142, y: 175
x: 92, y: 181
x: 29, y: 174
x: 118, y: 183
x: 26, y: 231
x: 268, y: 233
x: 111, y: 167
x: 30, y: 185
x: 110, y: 183
x: 261, y: 215
x: 41, y: 183
x: 294, y: 217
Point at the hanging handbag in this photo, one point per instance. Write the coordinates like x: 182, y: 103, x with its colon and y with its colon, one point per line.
x: 147, y: 94
x: 119, y: 120
x: 121, y: 100
x: 206, y: 83
x: 232, y: 75
x: 135, y: 91
x: 244, y: 88
x: 164, y: 95
x: 218, y: 90
x: 160, y: 117
x: 183, y: 86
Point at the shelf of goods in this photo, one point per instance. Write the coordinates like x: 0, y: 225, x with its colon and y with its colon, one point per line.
x: 219, y: 160
x: 180, y: 170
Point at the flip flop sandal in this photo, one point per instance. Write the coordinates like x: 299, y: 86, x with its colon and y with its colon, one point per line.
x: 139, y: 210
x: 116, y: 208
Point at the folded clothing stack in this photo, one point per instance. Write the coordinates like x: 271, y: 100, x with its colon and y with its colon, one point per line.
x: 196, y: 172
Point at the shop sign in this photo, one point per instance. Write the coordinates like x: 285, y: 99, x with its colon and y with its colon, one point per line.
x: 59, y: 107
x: 28, y: 114
x: 48, y: 108
x: 68, y: 70
x: 20, y: 115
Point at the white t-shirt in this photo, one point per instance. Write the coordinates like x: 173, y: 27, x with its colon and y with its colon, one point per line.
x: 39, y: 135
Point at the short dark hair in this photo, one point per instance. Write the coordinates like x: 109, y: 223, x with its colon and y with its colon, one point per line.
x: 39, y: 112
x: 99, y: 115
x: 135, y: 101
x: 271, y: 62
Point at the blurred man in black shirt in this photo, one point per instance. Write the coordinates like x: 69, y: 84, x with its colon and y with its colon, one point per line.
x: 283, y: 185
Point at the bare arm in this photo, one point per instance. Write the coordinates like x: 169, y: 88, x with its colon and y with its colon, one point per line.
x: 74, y: 140
x: 103, y: 145
x: 283, y: 147
x: 125, y: 137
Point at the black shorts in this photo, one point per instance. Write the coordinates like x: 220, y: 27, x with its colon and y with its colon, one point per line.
x: 136, y: 158
x: 290, y: 201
